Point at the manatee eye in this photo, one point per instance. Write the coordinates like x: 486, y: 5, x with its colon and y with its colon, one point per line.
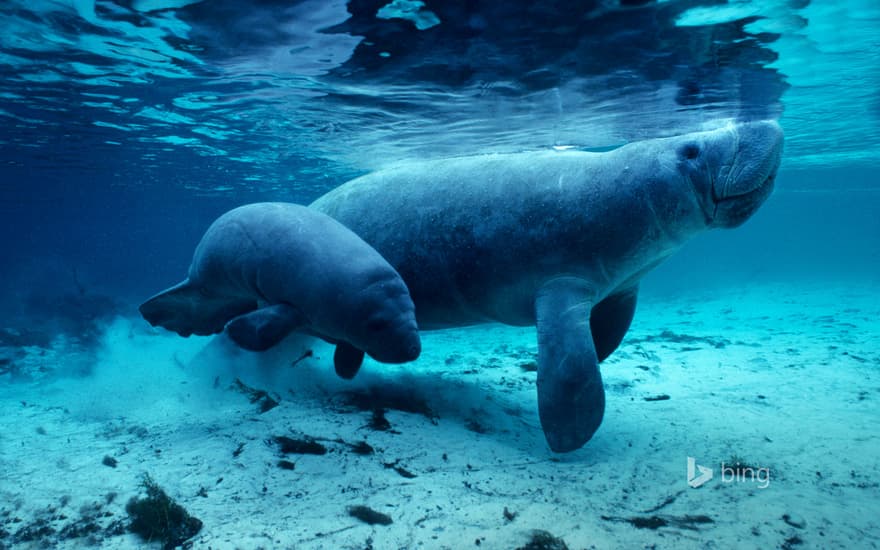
x: 690, y: 151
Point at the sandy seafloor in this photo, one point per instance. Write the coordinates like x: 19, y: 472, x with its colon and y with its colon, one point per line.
x: 784, y: 377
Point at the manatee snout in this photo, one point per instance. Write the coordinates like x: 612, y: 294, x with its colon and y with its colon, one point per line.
x: 398, y: 340
x: 408, y: 349
x: 749, y: 172
x: 388, y: 332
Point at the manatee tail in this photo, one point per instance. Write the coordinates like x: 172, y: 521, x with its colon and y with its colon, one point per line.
x: 184, y: 309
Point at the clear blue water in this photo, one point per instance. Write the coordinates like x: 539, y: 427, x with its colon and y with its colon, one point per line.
x: 126, y: 127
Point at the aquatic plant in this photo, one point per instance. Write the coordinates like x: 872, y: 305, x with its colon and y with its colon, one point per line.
x: 542, y: 540
x: 157, y: 517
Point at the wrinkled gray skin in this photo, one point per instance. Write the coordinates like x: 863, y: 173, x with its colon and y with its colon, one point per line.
x: 266, y: 269
x: 558, y: 240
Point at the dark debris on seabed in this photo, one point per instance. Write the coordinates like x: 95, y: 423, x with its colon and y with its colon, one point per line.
x: 308, y: 445
x: 153, y: 516
x: 263, y: 399
x: 377, y: 399
x: 669, y: 336
x: 688, y: 522
x: 90, y: 524
x: 369, y: 516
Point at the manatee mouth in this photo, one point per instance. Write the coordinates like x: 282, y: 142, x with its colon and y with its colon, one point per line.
x: 733, y: 210
x: 759, y: 192
x: 401, y: 345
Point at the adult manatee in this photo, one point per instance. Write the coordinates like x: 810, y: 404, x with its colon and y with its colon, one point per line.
x: 558, y: 240
x: 266, y: 269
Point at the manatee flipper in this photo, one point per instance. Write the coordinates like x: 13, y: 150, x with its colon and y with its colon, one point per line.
x: 347, y: 360
x: 261, y: 329
x: 186, y: 310
x: 571, y: 398
x: 610, y: 319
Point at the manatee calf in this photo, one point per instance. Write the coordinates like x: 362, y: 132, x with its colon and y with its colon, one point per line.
x: 558, y: 240
x: 266, y: 269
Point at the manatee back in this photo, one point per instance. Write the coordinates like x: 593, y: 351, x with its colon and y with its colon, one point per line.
x: 287, y: 253
x: 475, y: 237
